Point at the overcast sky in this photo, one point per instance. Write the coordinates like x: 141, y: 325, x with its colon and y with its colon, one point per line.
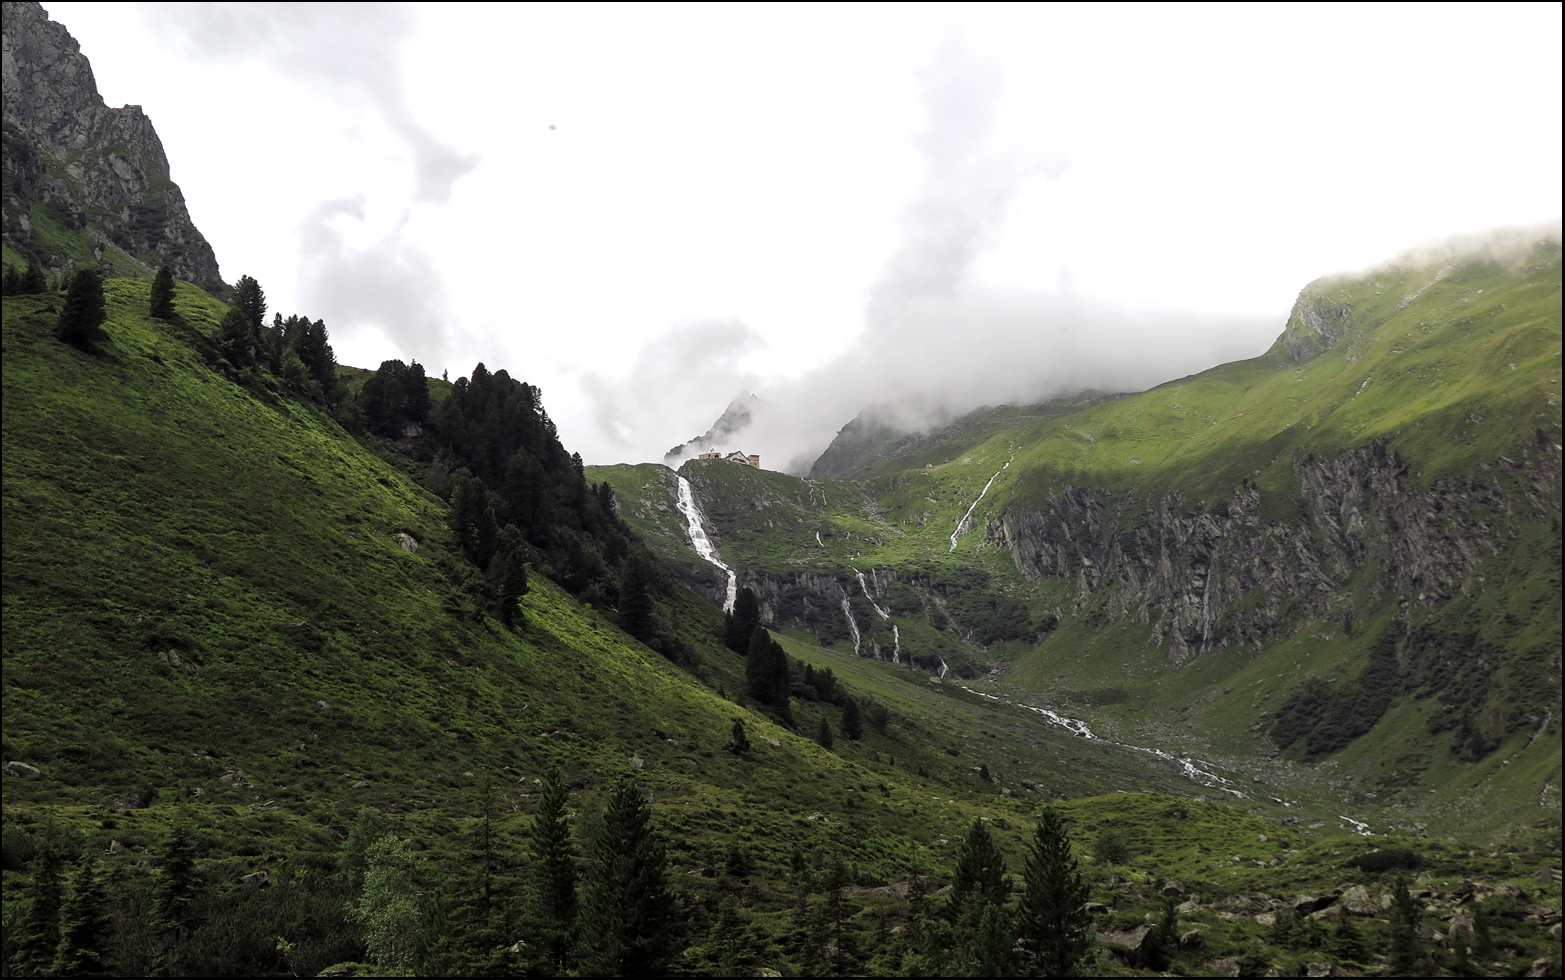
x: 646, y: 210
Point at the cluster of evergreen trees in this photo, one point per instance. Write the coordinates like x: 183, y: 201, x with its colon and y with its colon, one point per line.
x: 295, y: 351
x: 23, y: 282
x: 518, y: 498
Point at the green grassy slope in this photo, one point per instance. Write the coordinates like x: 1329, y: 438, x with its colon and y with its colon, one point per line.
x: 1444, y: 371
x: 207, y: 595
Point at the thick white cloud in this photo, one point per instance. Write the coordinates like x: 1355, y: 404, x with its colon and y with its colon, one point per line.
x: 916, y: 205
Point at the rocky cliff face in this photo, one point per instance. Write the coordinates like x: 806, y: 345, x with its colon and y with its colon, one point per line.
x: 1207, y: 578
x: 85, y: 185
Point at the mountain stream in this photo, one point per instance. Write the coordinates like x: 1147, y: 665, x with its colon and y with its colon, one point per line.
x: 703, y: 544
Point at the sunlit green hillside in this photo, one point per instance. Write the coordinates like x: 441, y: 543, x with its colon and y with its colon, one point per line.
x: 1210, y: 565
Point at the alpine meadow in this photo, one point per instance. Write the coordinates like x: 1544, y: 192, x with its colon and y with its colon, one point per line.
x: 314, y: 669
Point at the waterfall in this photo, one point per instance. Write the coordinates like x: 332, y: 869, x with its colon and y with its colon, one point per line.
x: 962, y: 525
x: 852, y: 626
x: 703, y: 544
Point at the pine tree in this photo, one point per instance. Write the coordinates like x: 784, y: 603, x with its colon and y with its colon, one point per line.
x: 823, y: 736
x: 33, y: 280
x: 626, y: 905
x: 635, y: 602
x: 250, y: 301
x: 162, y: 304
x: 553, y: 906
x: 508, y: 574
x: 852, y: 724
x: 84, y: 923
x: 1052, y: 918
x: 980, y: 872
x: 174, y: 910
x: 739, y: 742
x: 737, y: 629
x: 1403, y: 960
x: 82, y: 314
x: 39, y: 935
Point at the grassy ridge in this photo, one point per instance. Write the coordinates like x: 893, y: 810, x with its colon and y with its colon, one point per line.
x: 1453, y: 366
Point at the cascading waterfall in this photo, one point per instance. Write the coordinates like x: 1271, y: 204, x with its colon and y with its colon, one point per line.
x: 853, y: 627
x: 896, y: 635
x: 703, y: 544
x: 818, y: 539
x: 884, y: 613
x: 962, y: 526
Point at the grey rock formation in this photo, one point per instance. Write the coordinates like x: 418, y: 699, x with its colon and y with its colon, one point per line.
x: 85, y: 185
x: 1209, y: 578
x: 729, y: 426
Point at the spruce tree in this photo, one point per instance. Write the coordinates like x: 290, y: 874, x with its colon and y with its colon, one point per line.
x: 250, y: 301
x: 507, y: 574
x: 823, y: 736
x: 553, y: 905
x: 39, y: 935
x: 635, y: 599
x: 626, y: 906
x: 852, y: 724
x: 174, y: 909
x: 739, y: 742
x: 82, y: 314
x: 1403, y: 959
x: 162, y: 304
x: 1052, y: 919
x: 84, y: 924
x: 737, y: 629
x: 34, y: 280
x: 980, y: 872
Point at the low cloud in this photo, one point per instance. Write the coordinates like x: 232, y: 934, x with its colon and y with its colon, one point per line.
x: 390, y: 284
x: 934, y: 344
x: 352, y: 51
x: 677, y: 386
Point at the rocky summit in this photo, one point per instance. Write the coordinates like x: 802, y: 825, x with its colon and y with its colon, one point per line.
x: 86, y: 186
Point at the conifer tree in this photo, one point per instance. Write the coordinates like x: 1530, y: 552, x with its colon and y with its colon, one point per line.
x: 739, y: 742
x: 741, y: 624
x: 84, y: 924
x: 553, y: 904
x: 1053, y: 923
x: 250, y: 301
x: 852, y: 723
x: 626, y: 905
x: 1403, y: 960
x: 980, y: 872
x: 508, y: 574
x: 823, y: 736
x: 34, y: 280
x: 82, y: 314
x: 635, y: 602
x: 174, y: 908
x: 162, y: 305
x: 39, y: 935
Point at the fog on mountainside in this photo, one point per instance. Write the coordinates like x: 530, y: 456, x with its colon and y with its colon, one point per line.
x: 935, y: 344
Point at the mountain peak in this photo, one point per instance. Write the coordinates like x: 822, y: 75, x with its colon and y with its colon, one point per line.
x: 67, y: 155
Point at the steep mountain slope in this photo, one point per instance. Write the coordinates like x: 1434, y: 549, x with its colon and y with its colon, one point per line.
x: 214, y: 619
x: 85, y: 186
x: 1371, y: 506
x: 218, y: 599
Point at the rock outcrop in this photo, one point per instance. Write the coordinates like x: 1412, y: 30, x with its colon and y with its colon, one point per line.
x: 1211, y: 577
x: 85, y: 185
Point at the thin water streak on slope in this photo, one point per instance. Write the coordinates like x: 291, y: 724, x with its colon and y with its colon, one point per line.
x: 884, y: 613
x: 703, y: 544
x: 1189, y: 767
x: 962, y: 526
x: 853, y: 627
